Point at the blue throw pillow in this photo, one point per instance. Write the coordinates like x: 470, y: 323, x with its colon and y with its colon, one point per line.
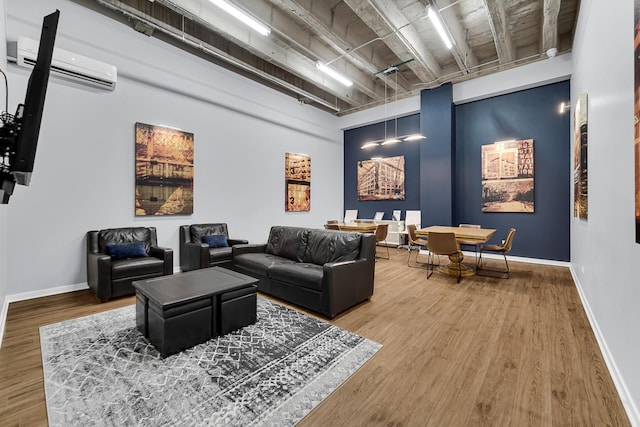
x: 216, y: 240
x: 126, y: 250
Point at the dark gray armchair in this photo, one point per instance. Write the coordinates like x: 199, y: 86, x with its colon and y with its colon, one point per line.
x: 118, y: 256
x: 196, y: 254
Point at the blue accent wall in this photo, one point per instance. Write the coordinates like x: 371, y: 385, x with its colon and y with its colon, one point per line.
x: 437, y: 180
x: 528, y: 114
x: 442, y: 173
x: 353, y: 140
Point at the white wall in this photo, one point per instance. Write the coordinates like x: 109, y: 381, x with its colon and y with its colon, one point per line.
x: 3, y: 208
x: 84, y: 170
x: 604, y: 254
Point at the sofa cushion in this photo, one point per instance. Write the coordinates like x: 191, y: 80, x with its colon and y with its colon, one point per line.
x: 300, y: 274
x: 136, y: 267
x: 126, y: 250
x: 197, y: 231
x: 124, y: 235
x: 288, y: 242
x: 215, y: 240
x: 259, y: 262
x: 330, y: 246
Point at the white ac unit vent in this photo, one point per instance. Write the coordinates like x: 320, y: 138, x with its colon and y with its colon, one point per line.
x: 65, y: 64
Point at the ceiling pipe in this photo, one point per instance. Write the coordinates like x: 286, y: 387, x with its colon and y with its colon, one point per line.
x: 199, y: 45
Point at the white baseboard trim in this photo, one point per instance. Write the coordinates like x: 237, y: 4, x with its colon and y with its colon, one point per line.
x: 627, y: 401
x: 38, y: 294
x: 30, y: 295
x: 469, y: 255
x: 3, y: 318
x: 46, y: 292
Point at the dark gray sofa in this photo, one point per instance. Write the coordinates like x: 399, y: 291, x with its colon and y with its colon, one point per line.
x: 325, y: 271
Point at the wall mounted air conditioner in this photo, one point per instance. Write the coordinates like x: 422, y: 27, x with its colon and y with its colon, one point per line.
x: 65, y: 64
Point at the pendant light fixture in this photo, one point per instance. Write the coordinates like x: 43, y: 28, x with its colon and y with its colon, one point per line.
x: 394, y: 139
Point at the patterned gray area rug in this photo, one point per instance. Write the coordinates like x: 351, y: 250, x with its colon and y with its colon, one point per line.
x: 99, y: 370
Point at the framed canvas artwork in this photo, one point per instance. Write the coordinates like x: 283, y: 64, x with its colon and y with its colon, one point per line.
x: 164, y: 171
x: 507, y: 176
x: 297, y: 176
x: 636, y: 138
x: 580, y: 183
x: 381, y: 179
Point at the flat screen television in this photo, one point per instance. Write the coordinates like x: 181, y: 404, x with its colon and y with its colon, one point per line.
x: 29, y: 116
x: 19, y: 133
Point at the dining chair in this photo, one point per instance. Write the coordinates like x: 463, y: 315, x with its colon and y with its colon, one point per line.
x: 415, y: 244
x: 503, y: 248
x: 472, y: 243
x: 381, y: 236
x: 444, y: 244
x: 331, y: 226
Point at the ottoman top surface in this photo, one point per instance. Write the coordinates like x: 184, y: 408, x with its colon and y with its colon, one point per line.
x: 177, y: 289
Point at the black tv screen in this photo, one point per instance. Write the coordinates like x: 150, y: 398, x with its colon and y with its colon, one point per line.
x: 29, y: 115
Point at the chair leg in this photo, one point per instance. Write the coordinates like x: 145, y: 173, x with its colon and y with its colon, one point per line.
x: 506, y: 264
x: 429, y: 264
x: 506, y: 274
x: 418, y: 263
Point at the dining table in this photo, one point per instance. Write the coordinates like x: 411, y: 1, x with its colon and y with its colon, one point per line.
x: 463, y: 234
x: 362, y: 227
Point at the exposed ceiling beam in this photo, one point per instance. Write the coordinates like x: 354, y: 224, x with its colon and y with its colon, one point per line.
x: 500, y: 30
x: 550, y: 11
x: 333, y: 30
x: 134, y: 14
x: 461, y: 51
x: 209, y: 15
x: 384, y: 19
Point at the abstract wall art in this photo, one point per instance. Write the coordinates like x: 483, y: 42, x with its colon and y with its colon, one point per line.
x: 297, y: 176
x: 381, y: 179
x: 164, y: 171
x: 507, y: 176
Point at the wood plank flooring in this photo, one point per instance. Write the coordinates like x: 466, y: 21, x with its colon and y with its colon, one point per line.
x: 484, y: 352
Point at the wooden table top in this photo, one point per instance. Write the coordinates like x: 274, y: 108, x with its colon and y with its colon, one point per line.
x: 479, y: 235
x: 362, y: 227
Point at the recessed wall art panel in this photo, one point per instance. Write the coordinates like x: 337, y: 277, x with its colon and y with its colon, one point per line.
x: 164, y: 171
x: 381, y: 179
x: 580, y: 182
x: 297, y: 177
x: 507, y: 177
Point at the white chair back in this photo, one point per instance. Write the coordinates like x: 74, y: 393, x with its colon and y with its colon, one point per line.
x: 413, y: 217
x: 350, y: 215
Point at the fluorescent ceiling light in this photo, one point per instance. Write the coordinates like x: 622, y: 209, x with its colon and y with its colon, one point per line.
x: 435, y: 20
x: 242, y: 16
x: 369, y: 145
x: 334, y: 74
x: 414, y: 137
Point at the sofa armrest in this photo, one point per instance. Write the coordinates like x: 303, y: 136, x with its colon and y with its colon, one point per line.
x: 248, y: 248
x: 347, y: 283
x: 99, y: 275
x: 166, y: 255
x: 233, y: 242
x: 194, y: 256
